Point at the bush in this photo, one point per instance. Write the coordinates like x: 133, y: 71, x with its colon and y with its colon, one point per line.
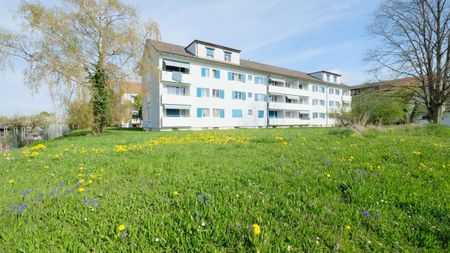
x: 79, y: 115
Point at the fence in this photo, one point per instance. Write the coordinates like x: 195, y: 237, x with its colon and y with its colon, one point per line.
x: 16, y: 138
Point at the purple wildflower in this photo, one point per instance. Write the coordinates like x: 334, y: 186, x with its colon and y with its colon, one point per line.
x: 25, y: 192
x: 12, y: 208
x: 61, y: 184
x: 196, y: 216
x: 201, y: 197
x: 124, y: 233
x: 206, y: 202
x: 366, y: 214
x: 377, y: 216
x: 78, y: 183
x: 86, y: 200
x: 442, y: 218
x: 38, y: 198
x: 21, y: 208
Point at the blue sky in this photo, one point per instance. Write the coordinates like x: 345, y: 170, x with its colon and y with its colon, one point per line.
x: 305, y: 35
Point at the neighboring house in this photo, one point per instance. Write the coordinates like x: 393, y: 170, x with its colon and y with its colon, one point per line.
x: 384, y: 85
x: 204, y: 86
x: 390, y: 85
x: 3, y: 130
x: 129, y: 91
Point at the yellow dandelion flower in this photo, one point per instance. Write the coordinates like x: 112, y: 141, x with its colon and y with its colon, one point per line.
x: 417, y: 152
x: 256, y: 229
x: 90, y: 182
x: 328, y: 174
x: 11, y: 181
x: 81, y: 181
x: 80, y: 175
x: 175, y: 194
x: 81, y: 190
x: 121, y: 227
x: 347, y: 227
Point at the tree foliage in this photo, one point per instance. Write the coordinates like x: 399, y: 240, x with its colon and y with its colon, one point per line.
x: 80, y: 47
x: 415, y: 42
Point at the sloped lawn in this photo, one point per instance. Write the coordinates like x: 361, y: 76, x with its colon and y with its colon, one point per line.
x: 308, y: 189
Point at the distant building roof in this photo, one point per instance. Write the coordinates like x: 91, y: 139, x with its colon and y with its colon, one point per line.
x: 131, y: 87
x: 215, y: 45
x: 409, y: 81
x: 324, y: 71
x: 181, y: 51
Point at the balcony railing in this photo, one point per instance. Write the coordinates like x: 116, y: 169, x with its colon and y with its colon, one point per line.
x: 177, y: 77
x: 288, y: 121
x: 175, y: 99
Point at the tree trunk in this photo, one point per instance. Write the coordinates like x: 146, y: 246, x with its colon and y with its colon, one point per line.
x: 434, y: 114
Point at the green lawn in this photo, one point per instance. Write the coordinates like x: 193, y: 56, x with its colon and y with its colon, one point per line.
x: 307, y: 189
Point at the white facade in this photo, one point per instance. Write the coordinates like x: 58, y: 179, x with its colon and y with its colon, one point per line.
x: 200, y: 90
x: 135, y: 121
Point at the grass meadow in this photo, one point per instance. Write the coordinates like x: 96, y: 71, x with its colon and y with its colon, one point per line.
x: 244, y: 190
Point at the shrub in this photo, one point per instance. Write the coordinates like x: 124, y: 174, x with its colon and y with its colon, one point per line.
x: 79, y: 115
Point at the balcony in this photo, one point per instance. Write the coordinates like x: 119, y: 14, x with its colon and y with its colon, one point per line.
x: 288, y: 121
x: 176, y: 77
x: 176, y: 122
x: 346, y: 98
x: 175, y: 99
x: 288, y: 106
x: 286, y: 90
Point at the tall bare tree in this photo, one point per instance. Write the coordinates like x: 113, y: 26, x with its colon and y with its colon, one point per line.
x: 80, y: 47
x: 415, y: 42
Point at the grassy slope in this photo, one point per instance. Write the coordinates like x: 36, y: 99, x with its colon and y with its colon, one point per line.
x: 326, y: 190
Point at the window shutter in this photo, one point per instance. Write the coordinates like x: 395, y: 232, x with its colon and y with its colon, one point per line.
x: 199, y: 92
x: 265, y: 80
x: 243, y: 95
x: 218, y: 73
x: 230, y: 76
x: 199, y: 112
x: 243, y: 78
x: 203, y: 72
x: 222, y: 113
x: 222, y: 94
x: 265, y: 98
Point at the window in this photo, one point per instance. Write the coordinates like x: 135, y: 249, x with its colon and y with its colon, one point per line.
x: 260, y: 114
x: 202, y: 92
x: 172, y: 68
x: 175, y: 90
x: 259, y: 97
x: 330, y: 91
x: 216, y: 73
x: 338, y: 92
x: 322, y: 115
x: 300, y: 86
x: 236, y: 77
x: 322, y: 102
x: 250, y: 112
x: 205, y: 72
x: 328, y: 77
x: 315, y: 88
x: 250, y: 95
x: 238, y: 95
x: 216, y: 93
x: 314, y: 115
x: 227, y: 56
x: 237, y: 113
x: 335, y: 79
x: 202, y: 112
x: 315, y: 101
x: 338, y: 104
x: 173, y: 112
x: 218, y: 113
x: 273, y: 114
x: 322, y: 89
x: 331, y: 103
x: 250, y: 77
x: 258, y: 80
x: 210, y: 52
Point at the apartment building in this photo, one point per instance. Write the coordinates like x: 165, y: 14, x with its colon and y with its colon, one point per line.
x: 130, y: 115
x: 209, y: 86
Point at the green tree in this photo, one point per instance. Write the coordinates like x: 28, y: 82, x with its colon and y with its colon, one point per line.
x: 80, y: 47
x: 414, y: 41
x: 138, y: 105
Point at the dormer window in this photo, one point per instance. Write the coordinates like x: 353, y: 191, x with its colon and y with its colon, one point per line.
x: 335, y: 79
x: 328, y: 77
x: 227, y: 56
x: 210, y: 52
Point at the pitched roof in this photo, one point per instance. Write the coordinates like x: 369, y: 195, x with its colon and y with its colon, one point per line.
x: 131, y: 87
x: 387, y: 83
x: 181, y: 51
